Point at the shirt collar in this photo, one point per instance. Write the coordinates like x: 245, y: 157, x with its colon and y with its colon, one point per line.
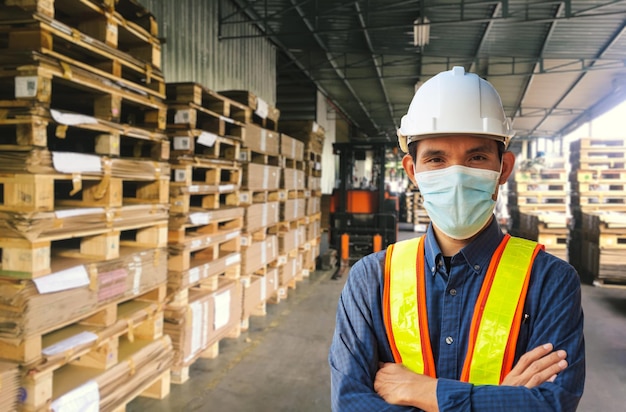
x: 477, y: 254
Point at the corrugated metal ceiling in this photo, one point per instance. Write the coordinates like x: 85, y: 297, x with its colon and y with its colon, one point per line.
x: 556, y: 64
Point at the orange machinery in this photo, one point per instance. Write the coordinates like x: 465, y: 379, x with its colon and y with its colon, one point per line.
x: 362, y: 220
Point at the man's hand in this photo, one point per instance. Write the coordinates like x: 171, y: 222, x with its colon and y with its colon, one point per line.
x: 399, y: 386
x: 536, y: 367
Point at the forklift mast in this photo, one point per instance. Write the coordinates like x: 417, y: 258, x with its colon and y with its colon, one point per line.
x: 362, y: 219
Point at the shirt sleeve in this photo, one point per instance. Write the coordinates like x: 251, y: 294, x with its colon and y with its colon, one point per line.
x: 354, y: 353
x: 558, y: 320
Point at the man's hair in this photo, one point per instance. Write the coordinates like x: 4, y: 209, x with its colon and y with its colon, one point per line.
x: 413, y: 150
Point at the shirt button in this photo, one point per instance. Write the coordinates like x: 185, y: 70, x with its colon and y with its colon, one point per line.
x: 477, y: 267
x: 449, y: 340
x: 453, y: 292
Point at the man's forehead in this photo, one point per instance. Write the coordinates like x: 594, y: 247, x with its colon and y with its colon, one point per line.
x: 457, y: 142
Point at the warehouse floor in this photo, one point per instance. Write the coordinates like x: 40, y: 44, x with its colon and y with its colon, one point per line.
x: 280, y: 363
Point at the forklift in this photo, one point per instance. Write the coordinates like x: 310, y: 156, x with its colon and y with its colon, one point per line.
x: 363, y: 212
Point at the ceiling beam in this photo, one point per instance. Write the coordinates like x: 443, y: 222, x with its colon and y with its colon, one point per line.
x: 377, y: 65
x: 274, y: 39
x: 335, y: 66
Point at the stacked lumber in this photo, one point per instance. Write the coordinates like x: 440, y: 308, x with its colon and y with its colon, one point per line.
x: 416, y: 213
x: 261, y: 113
x: 598, y: 180
x: 536, y: 190
x: 84, y: 208
x: 205, y: 225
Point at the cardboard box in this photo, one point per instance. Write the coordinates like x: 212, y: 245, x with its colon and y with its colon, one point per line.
x: 260, y: 177
x: 291, y: 148
x: 261, y: 215
x: 257, y: 255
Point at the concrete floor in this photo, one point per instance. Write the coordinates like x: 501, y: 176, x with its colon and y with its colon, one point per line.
x: 280, y: 363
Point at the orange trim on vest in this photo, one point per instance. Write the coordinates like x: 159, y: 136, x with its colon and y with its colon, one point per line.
x: 422, y: 313
x: 480, y: 306
x: 511, y: 345
x: 387, y: 305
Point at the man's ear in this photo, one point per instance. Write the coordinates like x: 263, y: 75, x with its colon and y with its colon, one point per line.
x: 409, y: 168
x: 508, y: 163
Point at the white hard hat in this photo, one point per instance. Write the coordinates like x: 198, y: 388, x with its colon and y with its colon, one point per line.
x: 455, y: 102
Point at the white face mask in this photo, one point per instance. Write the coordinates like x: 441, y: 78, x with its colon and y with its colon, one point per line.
x: 458, y: 199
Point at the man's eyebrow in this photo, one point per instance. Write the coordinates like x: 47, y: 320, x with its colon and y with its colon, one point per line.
x: 482, y: 148
x: 432, y: 152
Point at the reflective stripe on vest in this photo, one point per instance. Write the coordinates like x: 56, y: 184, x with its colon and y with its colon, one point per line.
x: 496, y: 319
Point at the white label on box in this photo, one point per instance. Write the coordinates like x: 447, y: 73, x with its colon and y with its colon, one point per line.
x: 182, y: 142
x: 197, y: 243
x: 85, y: 398
x: 265, y: 177
x: 318, y: 166
x: 293, y: 148
x: 70, y: 343
x: 222, y: 310
x: 72, y: 119
x: 72, y: 278
x: 207, y: 139
x: 180, y: 175
x: 263, y: 289
x: 198, y: 320
x: 227, y: 119
x: 244, y: 241
x: 182, y: 116
x: 66, y: 162
x: 316, y: 127
x: 243, y: 197
x: 26, y: 86
x: 234, y: 259
x: 263, y: 138
x: 200, y: 218
x: 262, y: 108
x: 264, y: 252
x: 264, y: 215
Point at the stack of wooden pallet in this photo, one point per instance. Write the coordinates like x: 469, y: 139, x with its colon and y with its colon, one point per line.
x: 9, y: 376
x: 598, y: 180
x: 538, y: 199
x: 204, y: 266
x: 312, y: 135
x: 262, y: 198
x: 84, y: 208
x: 416, y: 214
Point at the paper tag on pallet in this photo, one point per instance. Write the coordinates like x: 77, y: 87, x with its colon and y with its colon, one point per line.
x: 262, y: 108
x: 72, y: 278
x: 182, y: 116
x: 207, y: 139
x: 222, y: 310
x: 66, y: 162
x: 26, y: 86
x: 72, y: 119
x: 70, y: 343
x: 85, y: 398
x: 200, y: 218
x: 180, y: 175
x: 199, y: 312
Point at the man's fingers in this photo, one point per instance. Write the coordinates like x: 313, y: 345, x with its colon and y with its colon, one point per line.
x: 536, y: 367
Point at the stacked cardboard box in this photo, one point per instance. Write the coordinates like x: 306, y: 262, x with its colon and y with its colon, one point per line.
x: 260, y: 198
x: 598, y: 180
x: 312, y: 135
x: 84, y: 210
x: 205, y: 228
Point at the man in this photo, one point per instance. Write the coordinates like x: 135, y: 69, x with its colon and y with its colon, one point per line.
x: 464, y: 318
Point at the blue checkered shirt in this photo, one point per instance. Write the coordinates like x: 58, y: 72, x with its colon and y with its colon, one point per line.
x: 553, y: 315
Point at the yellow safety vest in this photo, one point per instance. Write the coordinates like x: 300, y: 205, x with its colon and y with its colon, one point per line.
x: 497, y: 314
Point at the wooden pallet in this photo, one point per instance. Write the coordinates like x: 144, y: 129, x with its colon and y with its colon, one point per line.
x: 45, y: 192
x: 198, y: 327
x: 543, y: 176
x: 134, y: 63
x: 143, y: 369
x: 28, y: 259
x: 260, y: 112
x: 37, y: 80
x: 250, y: 197
x: 21, y: 131
x: 203, y: 144
x: 202, y: 248
x: 200, y: 96
x: 193, y: 116
x: 602, y: 176
x: 184, y: 198
x: 257, y: 177
x: 248, y: 155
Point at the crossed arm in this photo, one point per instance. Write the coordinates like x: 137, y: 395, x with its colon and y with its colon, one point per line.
x: 399, y: 386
